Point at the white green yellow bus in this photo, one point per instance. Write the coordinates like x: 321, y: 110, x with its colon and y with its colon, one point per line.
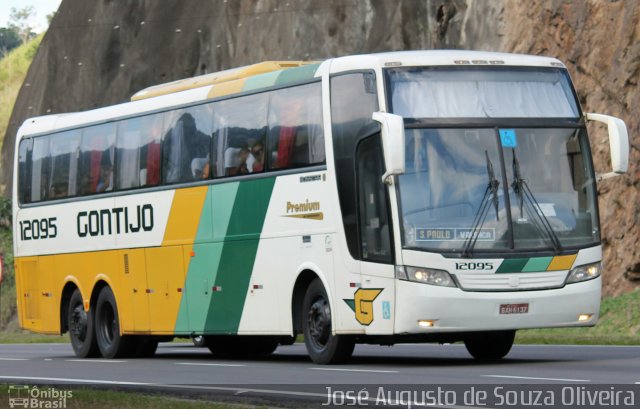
x: 424, y: 196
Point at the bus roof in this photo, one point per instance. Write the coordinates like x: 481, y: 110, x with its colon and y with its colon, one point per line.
x: 217, y: 78
x: 269, y: 74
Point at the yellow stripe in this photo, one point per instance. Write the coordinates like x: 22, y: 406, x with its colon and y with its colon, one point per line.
x: 182, y: 225
x: 226, y: 88
x: 562, y: 262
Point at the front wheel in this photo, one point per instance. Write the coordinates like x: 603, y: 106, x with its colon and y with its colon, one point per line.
x: 81, y: 332
x: 110, y: 342
x: 322, y: 345
x: 492, y: 345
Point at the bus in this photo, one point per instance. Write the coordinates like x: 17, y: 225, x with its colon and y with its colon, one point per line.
x: 419, y: 196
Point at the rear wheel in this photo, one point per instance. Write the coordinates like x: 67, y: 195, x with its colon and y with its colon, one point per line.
x: 81, y: 331
x: 322, y: 345
x: 110, y: 342
x: 492, y: 345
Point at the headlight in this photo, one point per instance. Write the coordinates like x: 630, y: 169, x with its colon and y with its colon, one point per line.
x: 584, y: 273
x: 425, y: 275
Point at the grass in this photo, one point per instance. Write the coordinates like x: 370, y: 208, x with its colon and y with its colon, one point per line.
x: 26, y: 337
x: 8, y: 317
x: 80, y: 398
x: 619, y: 325
x: 13, y: 70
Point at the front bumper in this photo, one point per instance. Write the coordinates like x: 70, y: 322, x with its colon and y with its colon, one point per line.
x: 454, y: 310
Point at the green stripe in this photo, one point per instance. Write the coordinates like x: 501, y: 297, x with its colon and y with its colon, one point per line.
x: 537, y: 264
x: 512, y: 265
x: 291, y: 75
x: 261, y: 81
x: 238, y: 255
x: 203, y: 268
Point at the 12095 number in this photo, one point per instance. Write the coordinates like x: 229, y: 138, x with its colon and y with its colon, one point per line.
x: 37, y: 229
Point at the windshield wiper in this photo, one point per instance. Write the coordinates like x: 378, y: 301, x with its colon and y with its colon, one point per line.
x: 490, y: 196
x: 527, y: 200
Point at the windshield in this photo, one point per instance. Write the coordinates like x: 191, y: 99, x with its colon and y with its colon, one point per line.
x: 507, y: 188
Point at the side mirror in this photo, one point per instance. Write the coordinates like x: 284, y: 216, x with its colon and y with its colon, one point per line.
x: 618, y: 143
x: 392, y: 143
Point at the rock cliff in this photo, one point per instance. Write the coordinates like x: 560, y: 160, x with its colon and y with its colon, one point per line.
x: 100, y: 52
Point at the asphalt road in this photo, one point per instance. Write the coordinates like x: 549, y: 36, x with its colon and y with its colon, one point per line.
x: 289, y: 376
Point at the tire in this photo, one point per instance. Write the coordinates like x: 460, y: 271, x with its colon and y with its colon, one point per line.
x: 81, y: 328
x: 488, y: 346
x: 110, y: 342
x: 145, y: 346
x: 234, y: 346
x: 322, y: 345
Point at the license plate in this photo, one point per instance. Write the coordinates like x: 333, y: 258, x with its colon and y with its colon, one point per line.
x: 514, y: 308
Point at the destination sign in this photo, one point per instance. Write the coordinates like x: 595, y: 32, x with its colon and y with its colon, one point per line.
x: 453, y: 234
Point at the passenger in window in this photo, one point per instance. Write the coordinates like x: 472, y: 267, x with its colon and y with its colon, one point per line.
x: 105, y: 183
x: 58, y: 190
x: 257, y: 152
x: 200, y: 168
x: 235, y: 161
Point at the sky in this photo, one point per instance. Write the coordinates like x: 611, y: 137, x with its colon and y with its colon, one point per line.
x: 38, y: 21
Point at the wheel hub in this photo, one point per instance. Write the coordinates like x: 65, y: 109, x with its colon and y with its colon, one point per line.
x: 78, y: 324
x: 320, y: 321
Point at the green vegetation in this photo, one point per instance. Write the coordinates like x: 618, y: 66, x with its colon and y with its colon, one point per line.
x: 13, y: 70
x: 619, y: 325
x: 8, y: 286
x: 104, y: 399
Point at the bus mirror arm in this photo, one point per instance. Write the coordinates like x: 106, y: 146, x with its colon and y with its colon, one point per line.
x: 618, y: 143
x: 392, y: 131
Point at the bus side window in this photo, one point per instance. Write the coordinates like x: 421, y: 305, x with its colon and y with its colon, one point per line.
x: 296, y: 137
x: 138, y: 151
x: 95, y: 165
x: 64, y: 148
x: 375, y: 229
x: 24, y: 170
x: 239, y: 138
x: 40, y: 168
x: 187, y: 144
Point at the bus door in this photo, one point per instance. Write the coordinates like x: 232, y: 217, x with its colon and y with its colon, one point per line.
x: 374, y: 300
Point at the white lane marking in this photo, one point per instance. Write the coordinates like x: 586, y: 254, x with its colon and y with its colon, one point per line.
x: 100, y: 381
x: 198, y: 364
x: 48, y: 359
x: 353, y: 370
x: 14, y: 359
x: 535, y: 378
x: 100, y: 361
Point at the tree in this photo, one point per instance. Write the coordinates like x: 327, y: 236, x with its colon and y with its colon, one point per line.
x: 9, y: 39
x: 19, y: 21
x: 50, y: 17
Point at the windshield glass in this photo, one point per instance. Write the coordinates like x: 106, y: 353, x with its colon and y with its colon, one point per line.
x: 481, y: 92
x: 518, y: 188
